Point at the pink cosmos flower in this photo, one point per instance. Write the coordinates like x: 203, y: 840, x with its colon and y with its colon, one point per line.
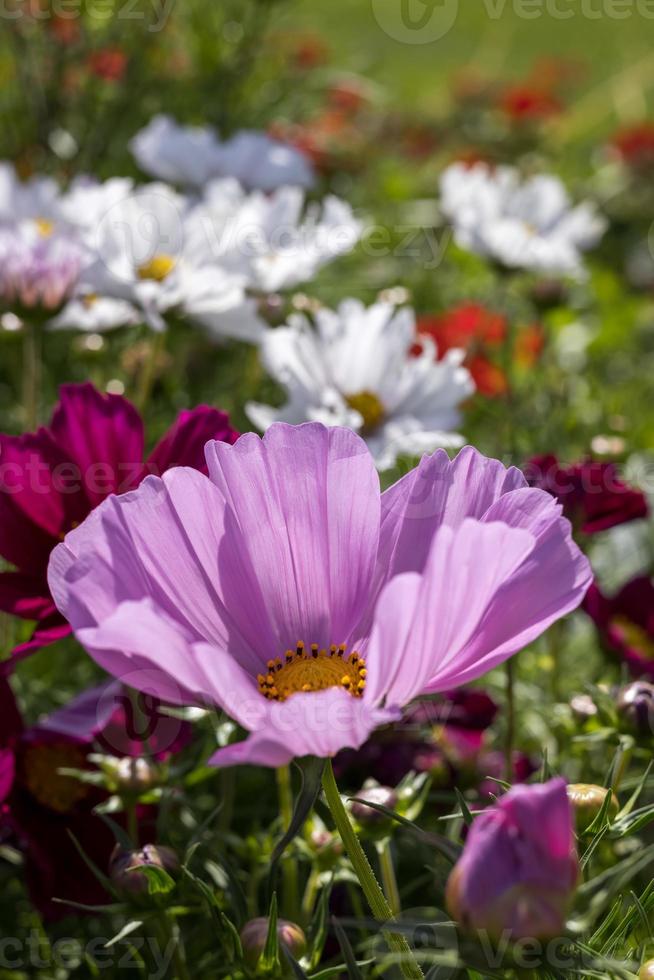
x: 286, y: 590
x: 51, y: 479
x: 519, y: 867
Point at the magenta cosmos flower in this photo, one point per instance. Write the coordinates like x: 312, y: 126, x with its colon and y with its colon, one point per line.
x: 519, y: 867
x: 286, y: 590
x: 625, y: 623
x: 592, y: 494
x: 50, y: 480
x: 40, y: 807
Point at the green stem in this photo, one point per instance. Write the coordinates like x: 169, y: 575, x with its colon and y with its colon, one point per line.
x: 289, y: 865
x: 371, y: 889
x: 170, y: 934
x: 510, y: 720
x: 389, y: 879
x: 621, y: 769
x: 149, y: 370
x: 31, y: 375
x: 309, y: 897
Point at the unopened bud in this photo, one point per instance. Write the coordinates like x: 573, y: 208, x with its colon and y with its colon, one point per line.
x: 636, y: 707
x: 587, y: 801
x: 255, y: 933
x: 123, y: 865
x: 380, y: 796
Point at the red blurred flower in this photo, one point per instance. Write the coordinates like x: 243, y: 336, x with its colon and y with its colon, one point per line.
x: 626, y: 623
x: 592, y: 494
x: 474, y: 329
x: 108, y: 64
x: 309, y: 51
x: 52, y: 479
x: 525, y: 103
x: 66, y: 30
x: 347, y: 95
x: 41, y: 807
x: 635, y: 145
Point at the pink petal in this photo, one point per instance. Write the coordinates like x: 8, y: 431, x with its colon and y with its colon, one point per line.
x: 301, y: 530
x: 445, y: 606
x: 319, y: 724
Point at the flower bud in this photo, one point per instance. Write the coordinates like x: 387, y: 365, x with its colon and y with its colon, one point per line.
x: 255, y: 933
x: 122, y: 865
x: 587, y: 801
x: 636, y: 707
x: 646, y: 971
x: 133, y: 774
x: 373, y: 793
x: 519, y: 867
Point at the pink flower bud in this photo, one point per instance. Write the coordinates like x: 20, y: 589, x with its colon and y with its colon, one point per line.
x: 132, y: 882
x: 519, y: 868
x: 255, y: 933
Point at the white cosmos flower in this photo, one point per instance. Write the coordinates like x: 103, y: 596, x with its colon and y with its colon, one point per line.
x: 353, y: 367
x: 149, y: 255
x: 91, y: 313
x: 35, y: 200
x: 192, y: 155
x: 272, y: 240
x: 521, y: 224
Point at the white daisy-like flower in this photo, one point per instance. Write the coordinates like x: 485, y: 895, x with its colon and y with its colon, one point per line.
x: 148, y: 255
x: 38, y: 272
x: 521, y: 224
x: 90, y: 313
x: 353, y: 367
x: 272, y: 240
x: 193, y: 155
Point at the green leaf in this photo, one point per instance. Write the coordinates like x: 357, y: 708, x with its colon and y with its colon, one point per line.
x: 353, y: 971
x: 311, y: 770
x: 159, y: 881
x: 269, y: 961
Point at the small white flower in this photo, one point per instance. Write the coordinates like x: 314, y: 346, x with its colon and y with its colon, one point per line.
x: 521, y: 224
x: 273, y: 241
x: 95, y: 314
x: 354, y: 368
x: 37, y: 199
x: 193, y: 155
x: 38, y: 271
x: 148, y: 255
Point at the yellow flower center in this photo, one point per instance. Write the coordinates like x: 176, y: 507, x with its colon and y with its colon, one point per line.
x: 305, y: 670
x: 158, y: 268
x: 635, y: 636
x: 90, y: 300
x: 369, y: 407
x: 44, y: 226
x: 41, y: 765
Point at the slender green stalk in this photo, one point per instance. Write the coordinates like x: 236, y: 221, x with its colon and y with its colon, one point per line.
x: 32, y: 370
x: 510, y: 719
x: 169, y: 933
x: 371, y: 889
x: 309, y: 897
x: 389, y: 879
x: 149, y: 370
x: 289, y: 865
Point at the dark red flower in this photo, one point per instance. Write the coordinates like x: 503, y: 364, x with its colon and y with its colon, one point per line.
x: 108, y: 63
x: 529, y: 104
x: 626, y: 623
x: 42, y: 808
x: 592, y: 494
x: 52, y: 479
x: 635, y: 145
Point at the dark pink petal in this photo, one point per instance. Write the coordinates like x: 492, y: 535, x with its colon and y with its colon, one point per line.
x: 103, y: 435
x: 7, y: 773
x: 25, y: 595
x: 183, y: 444
x: 48, y: 631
